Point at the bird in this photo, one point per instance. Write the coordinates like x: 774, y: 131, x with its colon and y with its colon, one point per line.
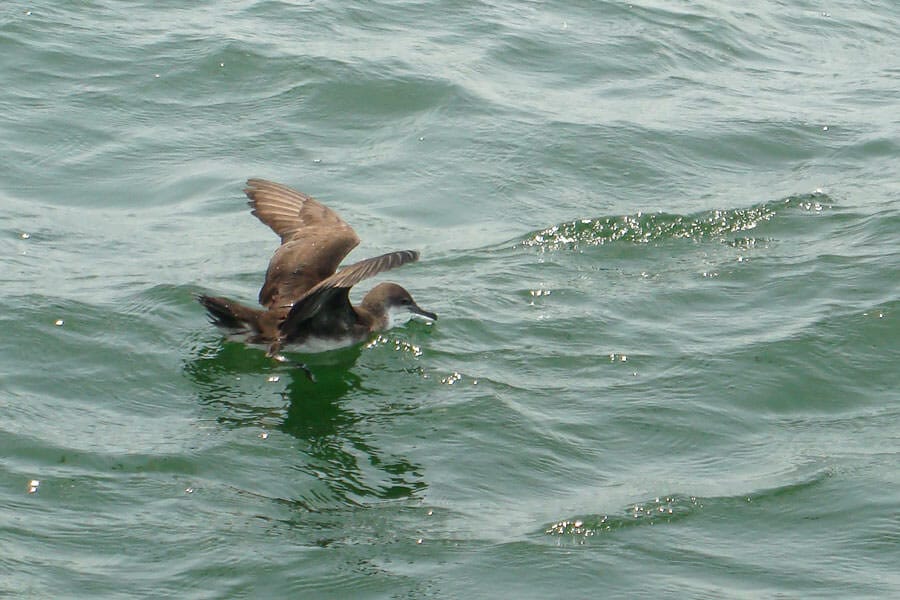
x: 305, y: 298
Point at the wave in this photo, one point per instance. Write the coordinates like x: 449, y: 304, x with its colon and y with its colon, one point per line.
x: 675, y: 507
x: 642, y: 228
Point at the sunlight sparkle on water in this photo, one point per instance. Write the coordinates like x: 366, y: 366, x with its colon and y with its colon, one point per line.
x: 658, y: 510
x: 452, y: 378
x: 399, y: 345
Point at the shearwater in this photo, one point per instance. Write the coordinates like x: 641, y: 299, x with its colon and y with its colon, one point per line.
x: 306, y: 299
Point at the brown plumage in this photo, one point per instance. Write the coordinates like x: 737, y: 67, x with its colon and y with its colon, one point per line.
x: 306, y: 299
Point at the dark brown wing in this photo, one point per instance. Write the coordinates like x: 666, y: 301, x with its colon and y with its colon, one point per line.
x: 333, y: 291
x: 314, y: 240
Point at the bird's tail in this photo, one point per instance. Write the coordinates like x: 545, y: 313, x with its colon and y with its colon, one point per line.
x: 232, y: 315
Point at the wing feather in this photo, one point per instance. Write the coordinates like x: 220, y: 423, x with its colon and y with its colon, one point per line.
x: 314, y: 240
x: 326, y: 290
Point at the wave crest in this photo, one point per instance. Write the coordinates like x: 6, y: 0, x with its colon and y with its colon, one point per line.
x: 644, y: 228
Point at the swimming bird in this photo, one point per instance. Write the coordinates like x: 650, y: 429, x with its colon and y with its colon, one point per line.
x: 306, y: 299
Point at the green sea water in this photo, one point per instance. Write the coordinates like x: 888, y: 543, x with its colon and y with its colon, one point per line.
x: 663, y: 240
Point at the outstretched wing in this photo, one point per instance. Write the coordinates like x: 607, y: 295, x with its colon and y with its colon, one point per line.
x: 314, y: 240
x: 334, y: 290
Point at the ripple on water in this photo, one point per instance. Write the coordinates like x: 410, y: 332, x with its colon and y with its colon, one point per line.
x: 672, y: 508
x: 655, y: 227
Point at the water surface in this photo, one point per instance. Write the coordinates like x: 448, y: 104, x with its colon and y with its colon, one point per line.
x: 661, y: 238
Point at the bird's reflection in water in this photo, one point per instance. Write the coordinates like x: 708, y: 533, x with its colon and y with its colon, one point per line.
x: 338, y: 442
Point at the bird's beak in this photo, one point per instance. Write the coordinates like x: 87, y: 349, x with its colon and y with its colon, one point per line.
x: 418, y: 310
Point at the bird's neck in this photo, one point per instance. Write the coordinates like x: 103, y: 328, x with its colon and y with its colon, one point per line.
x: 373, y: 313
